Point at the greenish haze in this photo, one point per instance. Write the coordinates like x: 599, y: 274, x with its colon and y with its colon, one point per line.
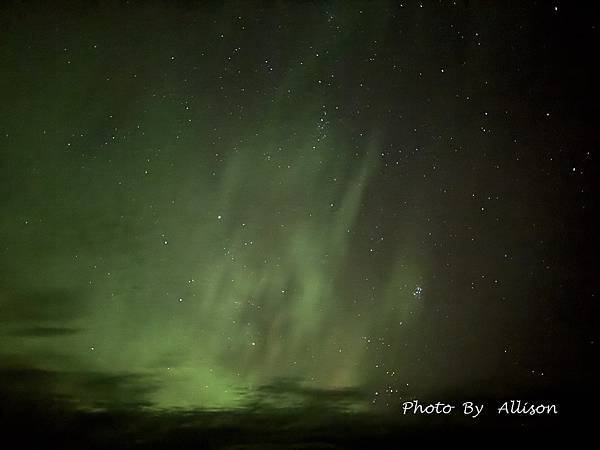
x: 194, y: 245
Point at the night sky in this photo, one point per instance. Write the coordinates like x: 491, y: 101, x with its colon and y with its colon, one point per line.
x: 259, y: 209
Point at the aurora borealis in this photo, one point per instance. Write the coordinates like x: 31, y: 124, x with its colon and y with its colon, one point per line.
x: 251, y: 206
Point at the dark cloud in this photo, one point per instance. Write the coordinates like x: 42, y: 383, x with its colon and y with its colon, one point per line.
x: 45, y: 332
x: 33, y: 411
x: 76, y: 389
x: 291, y: 393
x: 44, y: 305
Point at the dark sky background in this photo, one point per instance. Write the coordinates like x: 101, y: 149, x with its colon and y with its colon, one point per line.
x: 230, y: 215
